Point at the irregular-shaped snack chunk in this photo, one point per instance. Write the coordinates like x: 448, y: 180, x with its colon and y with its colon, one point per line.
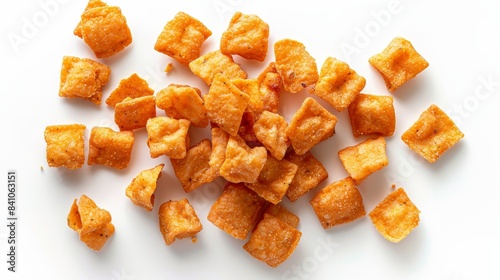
x: 96, y: 239
x: 219, y: 144
x: 182, y: 38
x: 65, y: 145
x: 372, y: 114
x: 110, y: 148
x: 209, y: 65
x: 432, y: 134
x: 142, y: 188
x: 280, y: 212
x: 134, y: 113
x: 338, y: 203
x: 396, y: 216
x: 269, y: 86
x: 398, y: 63
x: 167, y: 136
x: 178, y: 220
x: 133, y: 87
x: 310, y: 173
x: 246, y: 36
x: 270, y: 129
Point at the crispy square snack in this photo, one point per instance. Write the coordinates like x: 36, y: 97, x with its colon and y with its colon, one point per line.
x: 104, y: 29
x: 396, y: 216
x: 236, y: 211
x: 273, y: 241
x: 296, y: 67
x: 182, y: 38
x: 372, y: 114
x: 270, y: 129
x: 95, y: 240
x: 219, y: 144
x: 363, y: 159
x: 65, y: 145
x: 398, y: 63
x: 167, y: 136
x: 246, y: 36
x: 133, y: 87
x: 178, y: 220
x: 310, y: 173
x: 338, y: 84
x: 183, y: 102
x: 142, y: 188
x: 432, y: 134
x: 269, y: 86
x: 212, y: 63
x: 83, y: 78
x: 280, y: 212
x: 133, y: 113
x: 338, y: 203
x: 310, y: 125
x: 110, y: 148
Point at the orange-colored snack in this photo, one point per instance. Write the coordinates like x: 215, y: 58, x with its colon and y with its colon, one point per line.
x: 167, y: 136
x: 133, y: 87
x: 209, y: 65
x: 142, y: 188
x: 372, y: 114
x: 178, y: 220
x: 133, y: 113
x: 110, y: 148
x: 280, y: 212
x: 269, y: 86
x: 95, y: 240
x: 218, y: 155
x: 310, y: 172
x: 270, y: 130
x: 65, y: 145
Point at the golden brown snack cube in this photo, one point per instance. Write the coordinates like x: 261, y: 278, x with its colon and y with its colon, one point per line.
x: 273, y: 241
x: 338, y: 203
x: 133, y: 113
x: 110, y: 148
x: 178, y: 220
x: 182, y: 38
x: 372, y: 114
x: 83, y: 78
x: 270, y: 130
x: 432, y: 134
x: 246, y: 36
x: 209, y: 65
x: 280, y: 212
x: 142, y: 188
x: 65, y: 145
x: 310, y: 125
x: 236, y: 211
x: 338, y: 84
x: 398, y: 63
x: 396, y: 216
x: 296, y: 67
x: 167, y: 136
x: 133, y: 87
x: 310, y: 172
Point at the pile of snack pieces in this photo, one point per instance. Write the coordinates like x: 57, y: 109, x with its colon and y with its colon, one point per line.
x: 260, y: 155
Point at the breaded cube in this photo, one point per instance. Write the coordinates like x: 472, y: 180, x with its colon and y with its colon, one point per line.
x: 396, y: 216
x: 270, y: 87
x: 398, y: 63
x: 142, y: 188
x: 110, y: 148
x: 338, y: 203
x: 280, y: 212
x: 213, y: 63
x: 310, y: 172
x: 167, y: 136
x: 372, y: 114
x: 432, y: 134
x: 65, y: 145
x: 133, y: 113
x: 178, y: 220
x: 133, y: 87
x: 246, y: 36
x: 182, y: 38
x: 270, y: 130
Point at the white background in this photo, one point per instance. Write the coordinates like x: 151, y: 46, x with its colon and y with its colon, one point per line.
x: 457, y: 238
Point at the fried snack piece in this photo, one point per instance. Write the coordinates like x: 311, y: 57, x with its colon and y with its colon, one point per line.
x: 246, y: 36
x: 183, y: 102
x: 218, y: 155
x: 250, y: 87
x: 363, y: 159
x: 133, y: 113
x: 372, y: 114
x: 270, y: 130
x: 296, y: 67
x: 398, y: 63
x: 133, y: 87
x: 225, y: 104
x: 432, y: 134
x: 209, y: 65
x: 178, y: 220
x: 236, y: 211
x: 104, y: 29
x: 142, y: 188
x: 310, y: 173
x: 310, y: 125
x: 182, y: 38
x: 338, y: 84
x: 269, y: 86
x: 167, y: 136
x: 280, y: 212
x: 246, y: 132
x: 396, y: 216
x: 110, y: 148
x: 273, y: 241
x: 65, y: 145
x: 338, y: 203
x: 95, y: 240
x: 83, y: 78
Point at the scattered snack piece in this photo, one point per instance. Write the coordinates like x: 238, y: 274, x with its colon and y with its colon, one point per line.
x: 246, y: 36
x: 338, y: 84
x: 396, y: 216
x: 398, y: 63
x: 133, y: 113
x: 95, y: 240
x: 270, y: 130
x: 218, y: 155
x: 182, y: 38
x: 142, y: 188
x: 310, y: 172
x: 372, y: 114
x: 213, y: 63
x: 65, y: 145
x: 169, y: 67
x: 280, y: 212
x: 310, y: 125
x: 104, y: 29
x: 110, y: 148
x: 178, y: 220
x: 133, y: 87
x: 236, y: 211
x: 432, y: 134
x: 183, y: 102
x: 83, y: 78
x: 167, y: 136
x: 273, y: 241
x: 269, y: 86
x: 296, y: 67
x: 338, y: 203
